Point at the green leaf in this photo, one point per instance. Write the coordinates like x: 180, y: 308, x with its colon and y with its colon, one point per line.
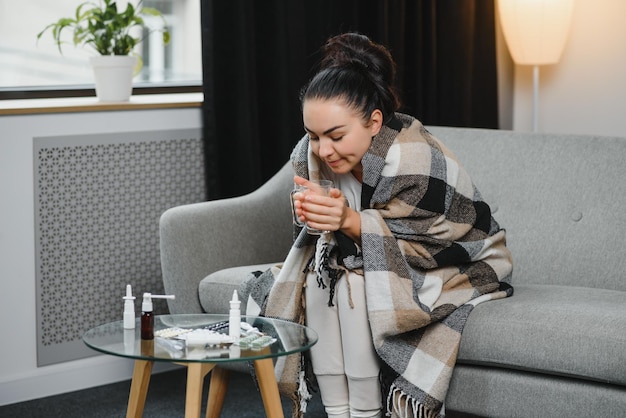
x: 101, y: 26
x: 150, y: 11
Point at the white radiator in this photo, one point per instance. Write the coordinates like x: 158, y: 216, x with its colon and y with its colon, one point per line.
x: 98, y: 200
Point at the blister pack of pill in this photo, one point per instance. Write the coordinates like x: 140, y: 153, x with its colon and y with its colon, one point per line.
x: 256, y: 341
x: 172, y: 332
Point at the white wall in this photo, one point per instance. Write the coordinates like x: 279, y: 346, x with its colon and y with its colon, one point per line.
x: 585, y: 93
x: 506, y: 78
x: 20, y: 378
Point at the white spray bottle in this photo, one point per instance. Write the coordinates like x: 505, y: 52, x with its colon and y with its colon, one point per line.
x: 234, y: 319
x: 129, y: 308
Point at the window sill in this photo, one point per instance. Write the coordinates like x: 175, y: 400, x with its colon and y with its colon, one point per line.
x: 91, y: 104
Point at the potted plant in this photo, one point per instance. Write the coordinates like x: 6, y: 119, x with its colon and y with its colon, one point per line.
x: 111, y: 33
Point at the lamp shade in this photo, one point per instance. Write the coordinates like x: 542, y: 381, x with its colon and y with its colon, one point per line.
x: 535, y: 30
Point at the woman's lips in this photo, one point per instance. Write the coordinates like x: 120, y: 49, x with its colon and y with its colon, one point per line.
x: 334, y: 163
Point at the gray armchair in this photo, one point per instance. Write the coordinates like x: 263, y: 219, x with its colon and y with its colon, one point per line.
x: 204, y: 245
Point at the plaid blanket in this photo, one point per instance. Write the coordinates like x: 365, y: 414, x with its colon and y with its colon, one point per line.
x: 431, y: 251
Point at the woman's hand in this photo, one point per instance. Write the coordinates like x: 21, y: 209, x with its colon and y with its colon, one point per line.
x: 328, y: 213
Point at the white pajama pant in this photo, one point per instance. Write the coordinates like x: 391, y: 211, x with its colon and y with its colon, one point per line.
x: 344, y: 360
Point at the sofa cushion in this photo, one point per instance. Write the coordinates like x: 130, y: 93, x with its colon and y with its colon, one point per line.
x: 548, y: 329
x: 559, y: 330
x: 216, y: 290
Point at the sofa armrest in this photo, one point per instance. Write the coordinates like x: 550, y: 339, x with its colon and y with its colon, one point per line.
x: 199, y: 239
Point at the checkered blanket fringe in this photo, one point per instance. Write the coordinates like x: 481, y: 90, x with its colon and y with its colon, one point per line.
x: 401, y: 405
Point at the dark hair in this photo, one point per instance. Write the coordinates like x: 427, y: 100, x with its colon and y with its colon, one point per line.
x: 360, y: 72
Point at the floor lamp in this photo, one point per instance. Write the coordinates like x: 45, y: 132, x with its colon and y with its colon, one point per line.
x: 535, y: 32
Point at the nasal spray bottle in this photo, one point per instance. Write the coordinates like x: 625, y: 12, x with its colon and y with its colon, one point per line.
x: 234, y: 319
x: 129, y: 308
x: 147, y: 318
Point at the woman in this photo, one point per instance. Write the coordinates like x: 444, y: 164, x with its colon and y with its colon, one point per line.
x: 411, y: 249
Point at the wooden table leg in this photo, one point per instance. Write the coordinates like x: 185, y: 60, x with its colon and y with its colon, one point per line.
x: 217, y: 392
x: 195, y: 379
x: 269, y: 388
x: 139, y: 388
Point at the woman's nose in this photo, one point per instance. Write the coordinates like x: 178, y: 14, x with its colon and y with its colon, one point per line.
x: 326, y: 147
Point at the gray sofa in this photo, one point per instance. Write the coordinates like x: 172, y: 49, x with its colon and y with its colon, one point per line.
x: 557, y: 348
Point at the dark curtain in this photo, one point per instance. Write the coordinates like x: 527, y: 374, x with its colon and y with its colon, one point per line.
x: 257, y: 55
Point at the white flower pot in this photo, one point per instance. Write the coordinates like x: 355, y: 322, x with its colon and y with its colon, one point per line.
x: 114, y: 77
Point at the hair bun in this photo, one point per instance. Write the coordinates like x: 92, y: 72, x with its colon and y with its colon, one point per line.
x: 357, y: 52
x: 348, y: 49
x: 359, y: 71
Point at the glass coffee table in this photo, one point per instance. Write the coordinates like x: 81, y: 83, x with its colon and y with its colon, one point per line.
x: 113, y: 339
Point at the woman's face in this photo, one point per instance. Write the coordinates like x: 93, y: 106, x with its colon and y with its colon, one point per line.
x: 338, y: 135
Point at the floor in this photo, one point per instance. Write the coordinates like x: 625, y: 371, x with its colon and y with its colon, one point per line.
x: 166, y: 399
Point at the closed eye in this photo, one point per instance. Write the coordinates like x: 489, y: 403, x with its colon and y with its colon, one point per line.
x: 326, y: 132
x: 314, y: 138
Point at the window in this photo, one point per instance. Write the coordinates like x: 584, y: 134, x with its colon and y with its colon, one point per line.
x: 28, y: 65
